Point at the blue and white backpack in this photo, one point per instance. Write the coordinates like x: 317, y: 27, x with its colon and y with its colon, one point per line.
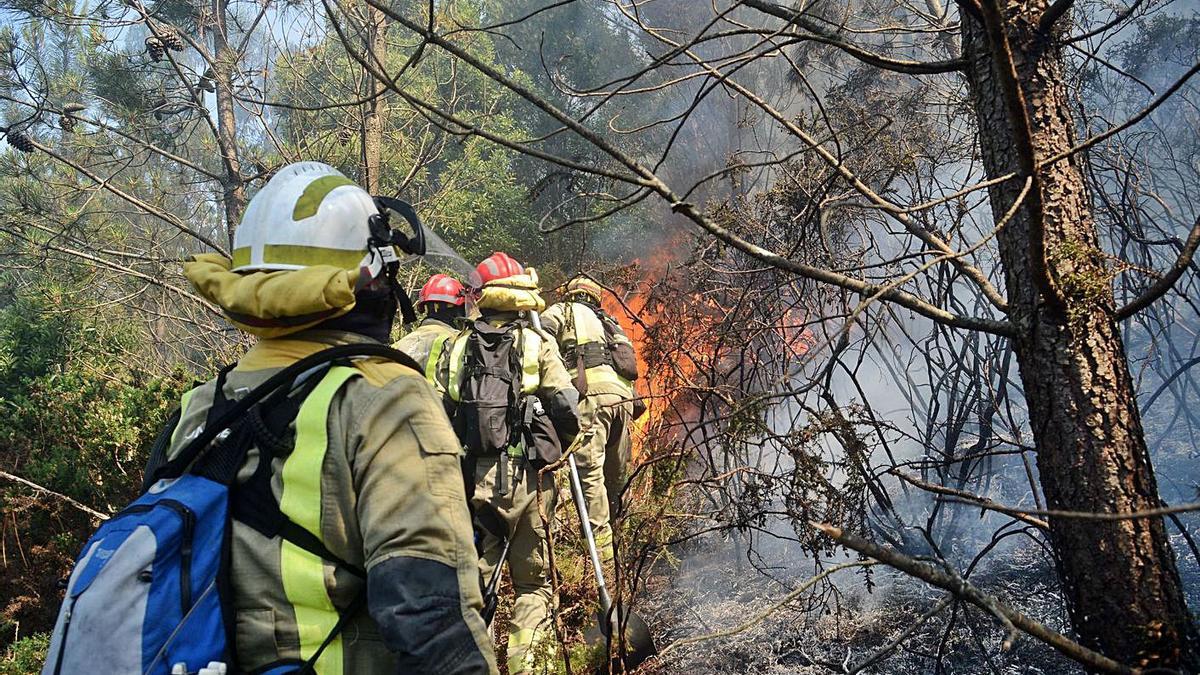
x: 150, y: 592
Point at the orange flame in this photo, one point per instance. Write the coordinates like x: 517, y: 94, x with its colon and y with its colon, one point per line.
x: 650, y: 391
x: 670, y: 349
x: 684, y: 339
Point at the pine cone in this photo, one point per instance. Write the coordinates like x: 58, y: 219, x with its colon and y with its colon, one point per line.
x: 72, y: 108
x: 170, y: 39
x: 67, y: 123
x: 19, y: 141
x: 155, y: 48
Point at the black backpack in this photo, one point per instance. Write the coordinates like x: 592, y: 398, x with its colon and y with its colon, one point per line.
x: 615, y: 352
x: 490, y: 391
x: 493, y: 415
x: 621, y: 353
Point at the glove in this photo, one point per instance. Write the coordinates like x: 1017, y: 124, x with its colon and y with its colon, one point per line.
x: 639, y: 407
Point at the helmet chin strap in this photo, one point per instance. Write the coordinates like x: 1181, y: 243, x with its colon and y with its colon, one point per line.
x: 408, y: 313
x: 382, y: 261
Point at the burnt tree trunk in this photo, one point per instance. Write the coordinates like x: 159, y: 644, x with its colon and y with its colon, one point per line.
x: 1123, y: 590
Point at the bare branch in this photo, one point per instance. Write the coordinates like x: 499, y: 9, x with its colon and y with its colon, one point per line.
x: 1053, y: 13
x: 57, y: 495
x: 826, y: 37
x: 1167, y: 281
x: 648, y: 178
x: 1141, y: 115
x: 981, y: 502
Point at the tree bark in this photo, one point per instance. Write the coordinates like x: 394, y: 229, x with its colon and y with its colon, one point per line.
x: 372, y: 120
x: 1123, y: 590
x: 225, y: 63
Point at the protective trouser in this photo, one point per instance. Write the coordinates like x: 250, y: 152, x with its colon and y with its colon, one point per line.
x: 606, y: 419
x: 531, y: 640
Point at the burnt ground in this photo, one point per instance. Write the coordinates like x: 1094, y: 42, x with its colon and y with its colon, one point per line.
x: 839, y: 625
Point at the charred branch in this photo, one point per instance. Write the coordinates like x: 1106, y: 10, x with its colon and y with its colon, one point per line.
x: 962, y: 589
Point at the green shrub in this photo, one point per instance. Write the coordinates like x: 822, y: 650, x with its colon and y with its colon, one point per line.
x: 77, y: 417
x: 25, y: 655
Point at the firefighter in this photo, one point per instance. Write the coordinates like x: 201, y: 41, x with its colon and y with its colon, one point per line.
x: 444, y: 304
x: 376, y: 478
x: 514, y: 409
x: 602, y: 365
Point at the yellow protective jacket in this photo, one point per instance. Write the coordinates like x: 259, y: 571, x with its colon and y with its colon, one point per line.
x: 425, y: 345
x: 573, y: 324
x: 376, y: 476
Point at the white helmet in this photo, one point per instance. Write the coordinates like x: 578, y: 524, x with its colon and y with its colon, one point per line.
x: 309, y: 213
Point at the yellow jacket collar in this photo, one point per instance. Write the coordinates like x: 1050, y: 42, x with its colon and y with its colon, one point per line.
x: 281, y: 352
x: 512, y: 294
x: 272, y: 304
x: 274, y: 353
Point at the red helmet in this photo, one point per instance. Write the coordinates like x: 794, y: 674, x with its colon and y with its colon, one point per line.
x: 441, y: 288
x: 498, y: 266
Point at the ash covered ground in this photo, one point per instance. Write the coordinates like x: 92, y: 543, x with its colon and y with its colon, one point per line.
x: 839, y: 625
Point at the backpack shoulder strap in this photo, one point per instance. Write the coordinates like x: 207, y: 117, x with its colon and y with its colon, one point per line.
x: 458, y: 364
x: 613, y: 332
x: 162, y: 443
x: 302, y: 470
x: 224, y: 420
x: 254, y: 503
x: 435, y: 355
x: 159, y: 466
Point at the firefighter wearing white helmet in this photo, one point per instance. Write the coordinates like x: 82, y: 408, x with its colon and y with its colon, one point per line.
x: 309, y: 214
x: 376, y: 478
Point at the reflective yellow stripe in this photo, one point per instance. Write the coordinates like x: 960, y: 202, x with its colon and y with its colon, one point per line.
x: 604, y: 542
x: 522, y: 637
x: 519, y: 653
x: 458, y: 358
x: 603, y: 536
x: 531, y: 349
x: 605, y: 373
x: 304, y: 573
x: 241, y: 256
x: 291, y: 254
x: 183, y: 404
x: 301, y: 256
x: 435, y: 353
x: 310, y: 200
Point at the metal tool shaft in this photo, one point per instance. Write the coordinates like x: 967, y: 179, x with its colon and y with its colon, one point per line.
x: 581, y: 507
